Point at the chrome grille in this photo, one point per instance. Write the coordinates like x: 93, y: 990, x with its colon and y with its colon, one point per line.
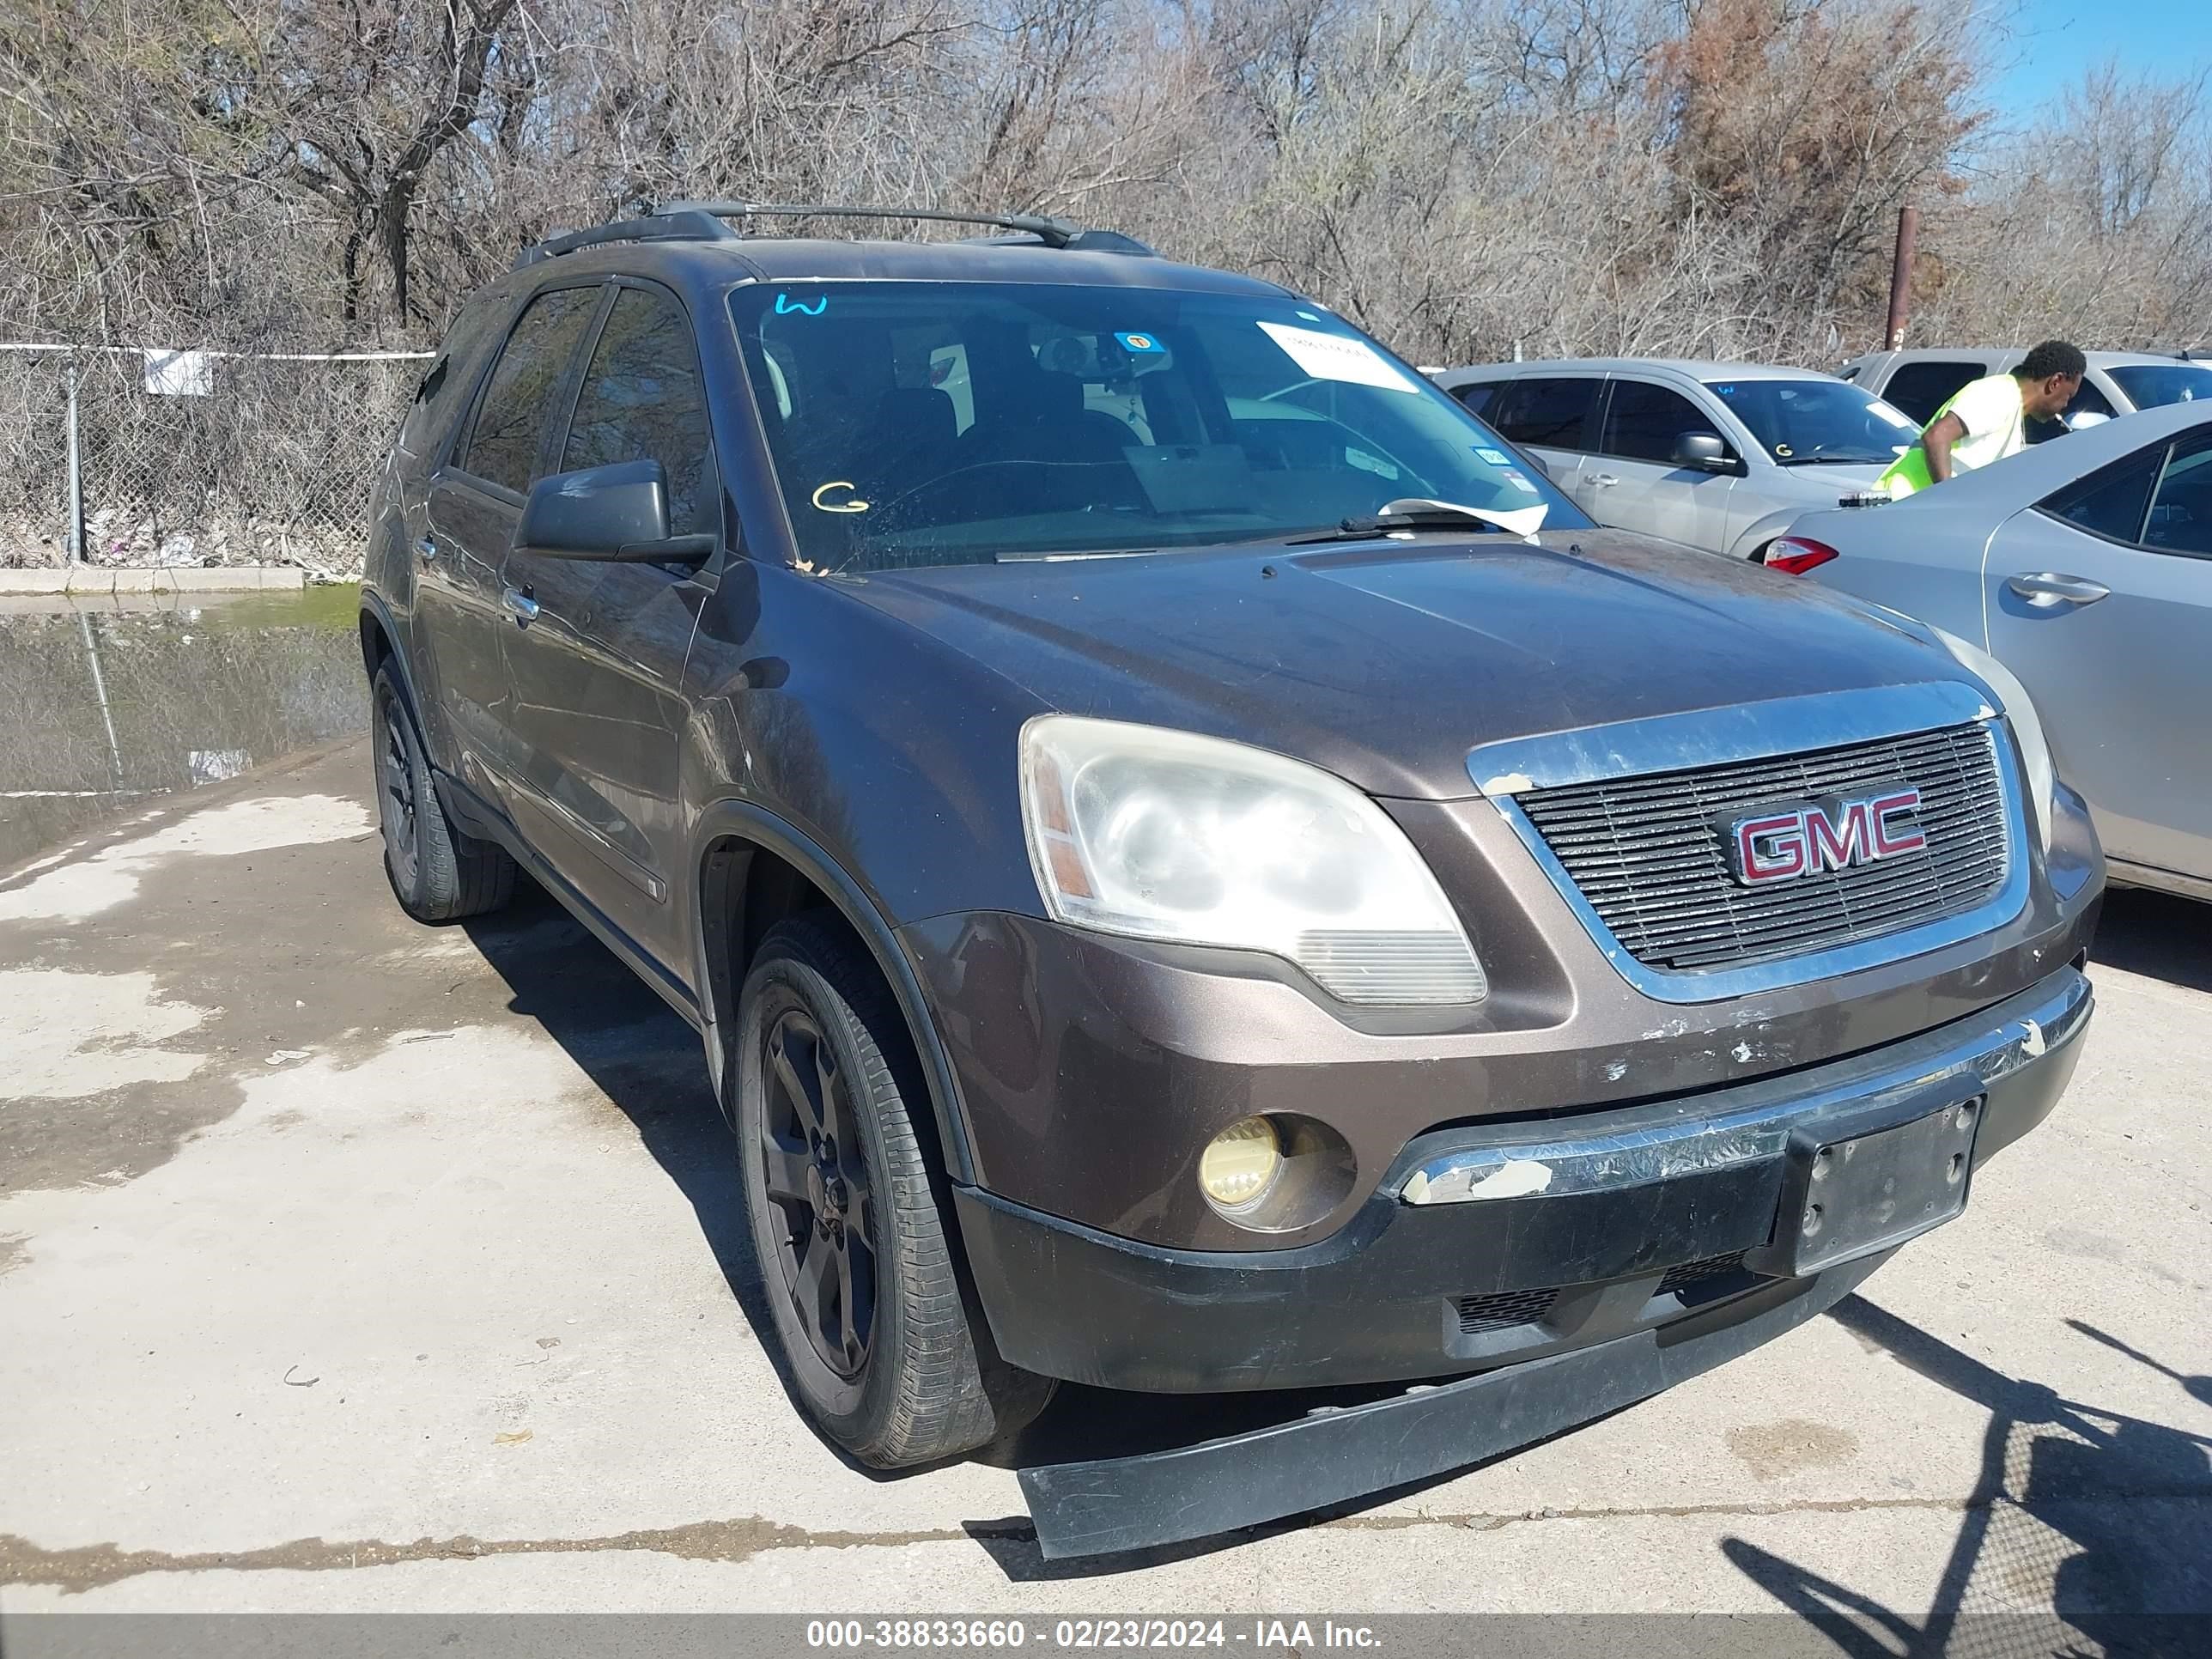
x: 1647, y: 856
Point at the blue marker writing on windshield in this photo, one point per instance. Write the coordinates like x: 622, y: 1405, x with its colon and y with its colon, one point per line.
x: 785, y: 305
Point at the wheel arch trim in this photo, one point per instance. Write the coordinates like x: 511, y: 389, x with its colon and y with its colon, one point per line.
x: 374, y: 609
x: 755, y: 829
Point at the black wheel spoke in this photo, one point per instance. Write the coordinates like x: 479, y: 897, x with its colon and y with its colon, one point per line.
x: 859, y: 1205
x: 861, y: 1291
x: 783, y: 1168
x: 805, y: 1105
x: 814, y: 1291
x: 849, y: 1327
x: 829, y: 1093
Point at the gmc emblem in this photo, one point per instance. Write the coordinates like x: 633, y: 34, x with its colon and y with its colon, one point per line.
x: 1782, y: 843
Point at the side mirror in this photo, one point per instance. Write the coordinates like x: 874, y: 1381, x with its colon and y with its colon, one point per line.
x: 1542, y: 465
x: 1701, y: 450
x: 617, y: 512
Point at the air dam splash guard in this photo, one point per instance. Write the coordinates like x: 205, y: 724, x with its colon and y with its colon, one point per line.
x: 1336, y: 1454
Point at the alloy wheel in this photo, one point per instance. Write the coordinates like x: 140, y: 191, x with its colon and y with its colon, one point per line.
x: 396, y: 795
x: 815, y: 1172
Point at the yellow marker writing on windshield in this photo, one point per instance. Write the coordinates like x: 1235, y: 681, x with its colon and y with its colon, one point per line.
x: 821, y: 505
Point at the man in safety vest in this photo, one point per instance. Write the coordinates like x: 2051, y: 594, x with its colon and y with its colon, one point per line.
x: 1986, y: 420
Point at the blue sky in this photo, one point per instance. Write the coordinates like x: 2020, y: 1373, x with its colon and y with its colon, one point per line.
x: 2054, y: 40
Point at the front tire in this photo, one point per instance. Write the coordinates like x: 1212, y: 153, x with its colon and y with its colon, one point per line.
x: 856, y: 1266
x: 436, y: 872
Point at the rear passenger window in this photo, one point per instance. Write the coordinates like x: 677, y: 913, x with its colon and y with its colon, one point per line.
x: 511, y: 421
x: 1921, y: 389
x: 2181, y: 507
x: 1477, y: 397
x: 2109, y: 501
x: 1545, y: 411
x: 1642, y: 421
x: 641, y: 401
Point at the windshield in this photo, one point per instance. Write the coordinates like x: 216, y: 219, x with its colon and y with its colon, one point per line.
x: 2150, y: 386
x: 930, y: 423
x: 1801, y: 423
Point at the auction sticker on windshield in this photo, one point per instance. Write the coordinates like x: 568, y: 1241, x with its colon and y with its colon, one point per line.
x: 1335, y: 357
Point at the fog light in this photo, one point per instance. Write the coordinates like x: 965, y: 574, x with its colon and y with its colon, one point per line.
x: 1239, y: 1163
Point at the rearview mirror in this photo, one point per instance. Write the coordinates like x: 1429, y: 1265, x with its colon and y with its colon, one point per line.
x: 616, y: 513
x: 1703, y: 450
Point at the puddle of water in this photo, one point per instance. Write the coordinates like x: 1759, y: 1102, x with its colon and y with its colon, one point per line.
x: 112, y: 706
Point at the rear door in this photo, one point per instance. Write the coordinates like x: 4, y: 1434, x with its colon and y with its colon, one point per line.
x: 1551, y: 416
x: 1632, y: 480
x: 595, y: 651
x: 473, y: 502
x: 2100, y: 599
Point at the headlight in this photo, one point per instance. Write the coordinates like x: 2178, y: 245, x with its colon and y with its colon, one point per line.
x: 1165, y: 835
x: 2027, y: 724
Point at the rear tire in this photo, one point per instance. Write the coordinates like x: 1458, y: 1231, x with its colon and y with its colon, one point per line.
x: 859, y: 1278
x: 436, y: 872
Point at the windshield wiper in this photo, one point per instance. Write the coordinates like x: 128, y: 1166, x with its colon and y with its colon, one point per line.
x: 1416, y: 513
x: 1836, y: 460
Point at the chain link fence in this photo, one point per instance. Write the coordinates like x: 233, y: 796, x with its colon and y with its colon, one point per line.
x: 195, y: 459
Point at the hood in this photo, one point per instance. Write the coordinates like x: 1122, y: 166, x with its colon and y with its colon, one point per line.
x: 1847, y: 476
x: 1385, y: 663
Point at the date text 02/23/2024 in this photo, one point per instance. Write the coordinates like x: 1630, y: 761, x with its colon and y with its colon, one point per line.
x: 1086, y: 1635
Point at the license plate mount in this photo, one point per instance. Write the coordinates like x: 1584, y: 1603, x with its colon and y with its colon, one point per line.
x: 1869, y: 1181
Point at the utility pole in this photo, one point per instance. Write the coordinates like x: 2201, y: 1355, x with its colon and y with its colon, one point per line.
x: 1901, y: 276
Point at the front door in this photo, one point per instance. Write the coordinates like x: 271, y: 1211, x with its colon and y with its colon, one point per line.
x: 595, y: 652
x: 2101, y: 600
x: 1632, y: 479
x: 474, y: 500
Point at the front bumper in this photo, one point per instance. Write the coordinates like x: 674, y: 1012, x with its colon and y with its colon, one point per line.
x: 1645, y: 1221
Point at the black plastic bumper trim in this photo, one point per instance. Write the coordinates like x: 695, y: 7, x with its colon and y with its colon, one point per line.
x: 1114, y: 1505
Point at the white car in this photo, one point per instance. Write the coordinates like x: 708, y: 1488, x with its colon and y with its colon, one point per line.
x: 1719, y: 455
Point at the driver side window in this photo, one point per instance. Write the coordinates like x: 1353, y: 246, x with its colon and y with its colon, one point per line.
x: 640, y: 400
x: 1643, y: 421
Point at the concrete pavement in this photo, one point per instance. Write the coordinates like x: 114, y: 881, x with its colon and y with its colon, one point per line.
x: 347, y: 1264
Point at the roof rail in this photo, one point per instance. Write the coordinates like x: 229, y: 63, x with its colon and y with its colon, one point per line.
x: 1053, y: 232
x: 675, y: 224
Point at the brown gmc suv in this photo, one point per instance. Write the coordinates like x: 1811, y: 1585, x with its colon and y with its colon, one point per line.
x: 1195, y: 868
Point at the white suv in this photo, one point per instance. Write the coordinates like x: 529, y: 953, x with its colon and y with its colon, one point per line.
x: 2118, y: 383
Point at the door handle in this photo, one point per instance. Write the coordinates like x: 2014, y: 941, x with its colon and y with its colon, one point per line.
x: 519, y: 605
x: 1603, y: 480
x: 427, y: 547
x: 2047, y: 588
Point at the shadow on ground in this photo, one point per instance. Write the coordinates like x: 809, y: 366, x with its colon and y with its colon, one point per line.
x: 2158, y: 936
x: 2103, y: 1519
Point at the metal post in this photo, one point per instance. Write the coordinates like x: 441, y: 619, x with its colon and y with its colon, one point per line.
x: 75, y: 478
x: 1900, y: 276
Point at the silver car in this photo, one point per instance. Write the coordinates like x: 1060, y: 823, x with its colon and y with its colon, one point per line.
x: 2118, y: 383
x: 2086, y: 569
x: 1719, y: 455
